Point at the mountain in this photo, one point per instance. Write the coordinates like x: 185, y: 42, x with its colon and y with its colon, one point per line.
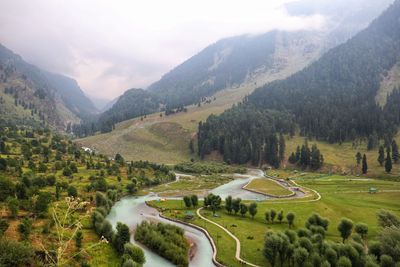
x: 334, y: 99
x: 103, y: 104
x: 133, y: 103
x: 232, y: 62
x: 71, y: 94
x: 32, y: 95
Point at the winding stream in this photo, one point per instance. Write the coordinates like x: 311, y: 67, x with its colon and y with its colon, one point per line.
x: 133, y: 210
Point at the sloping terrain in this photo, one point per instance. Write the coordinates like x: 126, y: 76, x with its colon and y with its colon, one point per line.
x: 31, y: 94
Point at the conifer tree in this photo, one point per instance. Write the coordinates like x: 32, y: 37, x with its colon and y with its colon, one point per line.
x: 381, y: 157
x: 395, y: 151
x: 364, y: 165
x: 388, y: 162
x: 282, y: 147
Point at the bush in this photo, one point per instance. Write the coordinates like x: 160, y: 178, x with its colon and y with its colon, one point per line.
x: 166, y: 240
x: 72, y: 192
x: 7, y: 188
x: 15, y: 253
x: 135, y: 253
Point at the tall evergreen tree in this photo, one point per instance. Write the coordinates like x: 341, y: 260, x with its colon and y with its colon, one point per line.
x: 395, y: 151
x: 381, y: 156
x: 364, y: 165
x: 388, y: 162
x: 282, y: 147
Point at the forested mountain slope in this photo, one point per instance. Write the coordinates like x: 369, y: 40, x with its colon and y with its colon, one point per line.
x: 232, y: 62
x: 29, y: 94
x: 333, y: 99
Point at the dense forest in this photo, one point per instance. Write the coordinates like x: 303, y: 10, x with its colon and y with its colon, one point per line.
x: 331, y: 100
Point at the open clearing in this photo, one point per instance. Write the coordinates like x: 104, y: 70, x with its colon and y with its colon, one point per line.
x: 342, y: 196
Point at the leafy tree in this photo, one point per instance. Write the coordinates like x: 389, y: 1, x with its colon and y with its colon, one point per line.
x: 300, y: 256
x: 387, y: 219
x: 345, y: 228
x: 275, y: 245
x: 195, y: 200
x: 3, y: 164
x: 228, y: 204
x: 187, y: 201
x: 72, y: 192
x: 135, y: 253
x: 267, y: 216
x: 3, y: 227
x: 272, y: 214
x: 389, y: 240
x: 121, y: 237
x: 78, y: 239
x: 42, y: 203
x: 7, y: 188
x: 243, y: 209
x: 280, y: 216
x: 236, y: 205
x: 387, y: 261
x: 25, y: 228
x: 213, y: 202
x: 358, y: 158
x: 253, y: 209
x: 67, y: 171
x: 362, y: 230
x: 290, y: 218
x: 132, y: 188
x: 13, y: 206
x: 14, y: 253
x: 344, y: 262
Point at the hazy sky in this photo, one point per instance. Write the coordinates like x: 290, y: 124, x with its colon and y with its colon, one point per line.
x: 110, y: 46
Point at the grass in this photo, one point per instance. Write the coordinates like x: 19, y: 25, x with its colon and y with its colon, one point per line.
x: 269, y: 187
x: 188, y: 185
x: 342, y: 196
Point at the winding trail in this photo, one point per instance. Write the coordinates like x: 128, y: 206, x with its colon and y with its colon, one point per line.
x: 238, y: 245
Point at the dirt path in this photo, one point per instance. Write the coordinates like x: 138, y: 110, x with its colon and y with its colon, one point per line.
x: 238, y: 245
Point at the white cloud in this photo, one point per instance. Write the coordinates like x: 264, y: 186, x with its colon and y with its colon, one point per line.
x: 110, y: 46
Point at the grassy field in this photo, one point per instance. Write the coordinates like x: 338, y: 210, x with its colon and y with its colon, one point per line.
x: 269, y: 187
x: 342, y: 196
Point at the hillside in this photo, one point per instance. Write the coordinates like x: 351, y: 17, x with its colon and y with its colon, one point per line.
x: 30, y: 94
x: 238, y: 60
x: 332, y: 100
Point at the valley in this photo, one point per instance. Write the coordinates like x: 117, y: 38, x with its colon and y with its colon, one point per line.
x: 265, y: 148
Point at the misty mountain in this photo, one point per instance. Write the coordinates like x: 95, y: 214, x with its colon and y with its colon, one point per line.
x: 333, y: 99
x: 71, y: 94
x: 29, y: 93
x: 247, y: 58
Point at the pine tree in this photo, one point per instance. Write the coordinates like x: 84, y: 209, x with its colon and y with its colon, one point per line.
x: 381, y: 157
x: 364, y: 165
x: 282, y: 147
x: 395, y: 151
x: 298, y: 154
x: 388, y: 162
